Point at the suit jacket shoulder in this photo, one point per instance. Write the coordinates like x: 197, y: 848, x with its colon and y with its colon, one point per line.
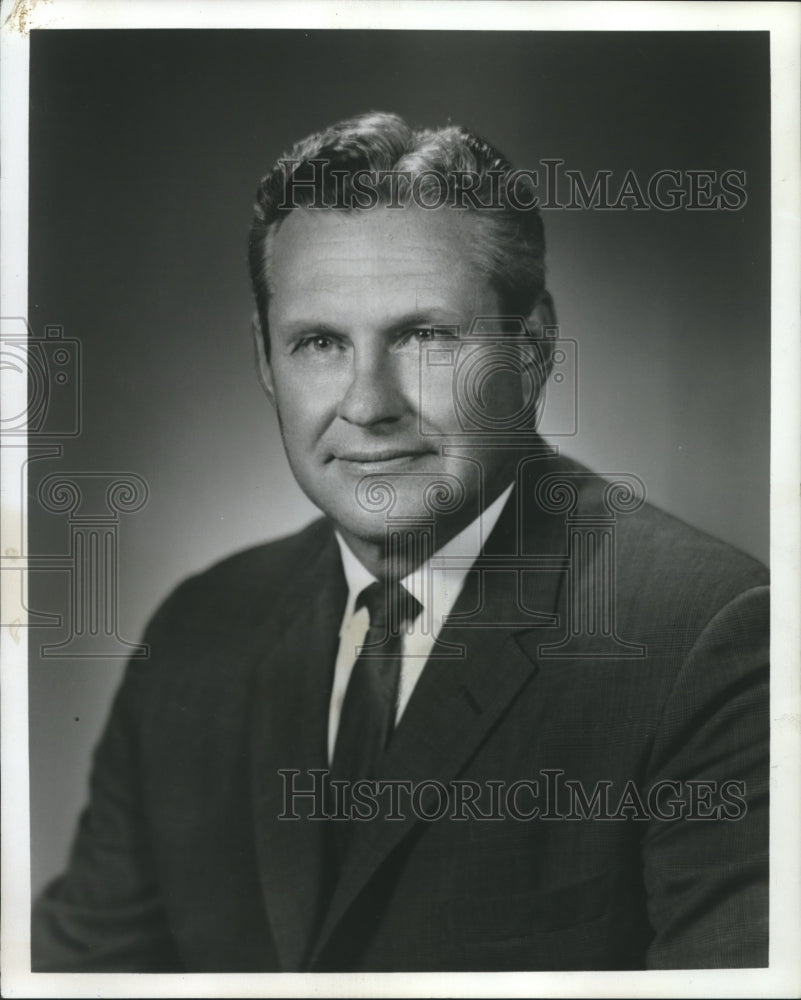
x: 661, y: 563
x: 262, y: 572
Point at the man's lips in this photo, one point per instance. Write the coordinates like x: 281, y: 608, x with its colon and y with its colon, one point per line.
x: 384, y: 456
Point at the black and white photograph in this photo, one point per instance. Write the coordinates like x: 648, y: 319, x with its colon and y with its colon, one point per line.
x: 400, y: 444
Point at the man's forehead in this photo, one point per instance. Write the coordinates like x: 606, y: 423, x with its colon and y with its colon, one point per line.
x: 372, y: 244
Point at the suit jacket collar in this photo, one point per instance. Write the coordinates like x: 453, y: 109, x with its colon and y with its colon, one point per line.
x: 288, y: 733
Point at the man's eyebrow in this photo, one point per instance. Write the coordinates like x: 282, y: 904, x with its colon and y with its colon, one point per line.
x: 424, y: 318
x: 310, y: 326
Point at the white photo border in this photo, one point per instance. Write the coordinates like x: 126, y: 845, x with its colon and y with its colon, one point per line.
x: 783, y: 22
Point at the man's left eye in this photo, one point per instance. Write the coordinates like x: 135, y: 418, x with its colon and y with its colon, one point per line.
x: 421, y: 334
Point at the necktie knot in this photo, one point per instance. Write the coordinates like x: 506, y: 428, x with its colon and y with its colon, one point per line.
x: 390, y: 606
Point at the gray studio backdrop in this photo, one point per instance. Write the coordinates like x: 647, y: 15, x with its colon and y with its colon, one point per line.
x: 146, y: 148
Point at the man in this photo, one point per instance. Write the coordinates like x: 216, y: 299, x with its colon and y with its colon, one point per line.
x: 493, y: 711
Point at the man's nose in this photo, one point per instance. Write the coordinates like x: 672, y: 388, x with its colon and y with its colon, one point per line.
x: 374, y: 394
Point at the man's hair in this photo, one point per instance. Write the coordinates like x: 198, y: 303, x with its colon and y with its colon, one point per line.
x: 447, y: 165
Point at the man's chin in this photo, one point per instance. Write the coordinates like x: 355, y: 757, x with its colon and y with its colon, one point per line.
x: 394, y: 515
x: 374, y: 528
x: 370, y: 507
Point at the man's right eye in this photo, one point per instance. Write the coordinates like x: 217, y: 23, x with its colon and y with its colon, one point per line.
x: 318, y: 344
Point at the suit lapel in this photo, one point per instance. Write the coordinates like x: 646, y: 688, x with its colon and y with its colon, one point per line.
x: 443, y: 726
x: 457, y: 702
x: 288, y: 731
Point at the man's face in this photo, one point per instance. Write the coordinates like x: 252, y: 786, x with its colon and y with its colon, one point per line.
x: 355, y: 295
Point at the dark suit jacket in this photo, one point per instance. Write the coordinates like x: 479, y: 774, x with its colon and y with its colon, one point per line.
x: 181, y: 861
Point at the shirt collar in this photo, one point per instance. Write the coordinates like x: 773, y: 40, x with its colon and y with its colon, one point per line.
x: 446, y: 582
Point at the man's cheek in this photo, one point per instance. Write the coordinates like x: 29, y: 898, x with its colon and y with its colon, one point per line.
x: 437, y: 410
x: 303, y: 405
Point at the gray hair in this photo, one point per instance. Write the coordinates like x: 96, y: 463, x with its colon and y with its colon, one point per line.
x: 323, y: 169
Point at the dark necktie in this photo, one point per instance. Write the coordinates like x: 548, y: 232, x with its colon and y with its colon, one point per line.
x: 370, y: 704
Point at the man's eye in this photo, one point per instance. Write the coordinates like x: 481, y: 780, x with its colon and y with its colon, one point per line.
x: 318, y: 344
x: 422, y: 334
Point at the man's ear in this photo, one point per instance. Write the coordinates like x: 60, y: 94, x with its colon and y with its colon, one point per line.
x: 263, y: 367
x: 541, y: 323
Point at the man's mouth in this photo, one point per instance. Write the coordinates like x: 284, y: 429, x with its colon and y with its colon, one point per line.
x: 378, y: 459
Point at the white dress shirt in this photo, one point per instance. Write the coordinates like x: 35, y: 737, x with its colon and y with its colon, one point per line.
x: 418, y: 637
